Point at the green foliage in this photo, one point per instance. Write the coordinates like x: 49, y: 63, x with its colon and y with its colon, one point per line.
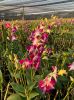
x: 17, y: 87
x: 24, y: 83
x: 15, y: 97
x: 33, y: 95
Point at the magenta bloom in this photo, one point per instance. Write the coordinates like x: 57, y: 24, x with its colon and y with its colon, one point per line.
x: 36, y: 65
x: 37, y: 33
x: 31, y: 56
x: 21, y: 61
x: 41, y: 85
x: 14, y: 29
x: 31, y: 37
x: 41, y: 49
x: 44, y: 37
x: 47, y: 84
x: 38, y: 39
x: 31, y: 48
x: 26, y: 63
x: 71, y: 66
x: 36, y: 57
x: 7, y: 25
x: 36, y: 61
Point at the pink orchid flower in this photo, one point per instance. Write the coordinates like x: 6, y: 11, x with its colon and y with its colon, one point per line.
x: 47, y: 84
x: 37, y: 33
x: 12, y: 37
x: 14, y: 29
x: 21, y: 61
x: 38, y: 39
x: 41, y: 49
x: 31, y: 48
x: 27, y: 63
x: 44, y: 37
x: 7, y: 25
x: 71, y: 66
x: 36, y: 65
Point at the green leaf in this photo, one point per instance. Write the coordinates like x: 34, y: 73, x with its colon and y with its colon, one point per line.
x: 33, y: 94
x: 31, y: 85
x: 1, y: 79
x: 22, y: 95
x: 17, y: 87
x: 17, y: 75
x: 59, y: 84
x: 15, y: 97
x: 38, y: 77
x: 64, y: 79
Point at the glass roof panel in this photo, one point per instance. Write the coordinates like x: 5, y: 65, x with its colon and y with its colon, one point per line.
x: 36, y: 6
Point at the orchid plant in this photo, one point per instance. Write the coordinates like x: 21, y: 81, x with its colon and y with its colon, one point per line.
x: 39, y: 68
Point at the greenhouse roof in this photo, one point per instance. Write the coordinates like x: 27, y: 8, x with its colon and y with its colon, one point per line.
x: 36, y: 6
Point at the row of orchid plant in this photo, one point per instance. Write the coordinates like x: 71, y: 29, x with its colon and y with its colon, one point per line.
x: 35, y: 69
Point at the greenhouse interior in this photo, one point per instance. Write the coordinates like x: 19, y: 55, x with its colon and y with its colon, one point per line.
x: 36, y: 49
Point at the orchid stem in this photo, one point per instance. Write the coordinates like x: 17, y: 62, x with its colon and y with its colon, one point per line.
x: 6, y: 91
x: 68, y: 91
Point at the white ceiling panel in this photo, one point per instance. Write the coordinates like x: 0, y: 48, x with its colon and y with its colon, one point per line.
x: 36, y: 6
